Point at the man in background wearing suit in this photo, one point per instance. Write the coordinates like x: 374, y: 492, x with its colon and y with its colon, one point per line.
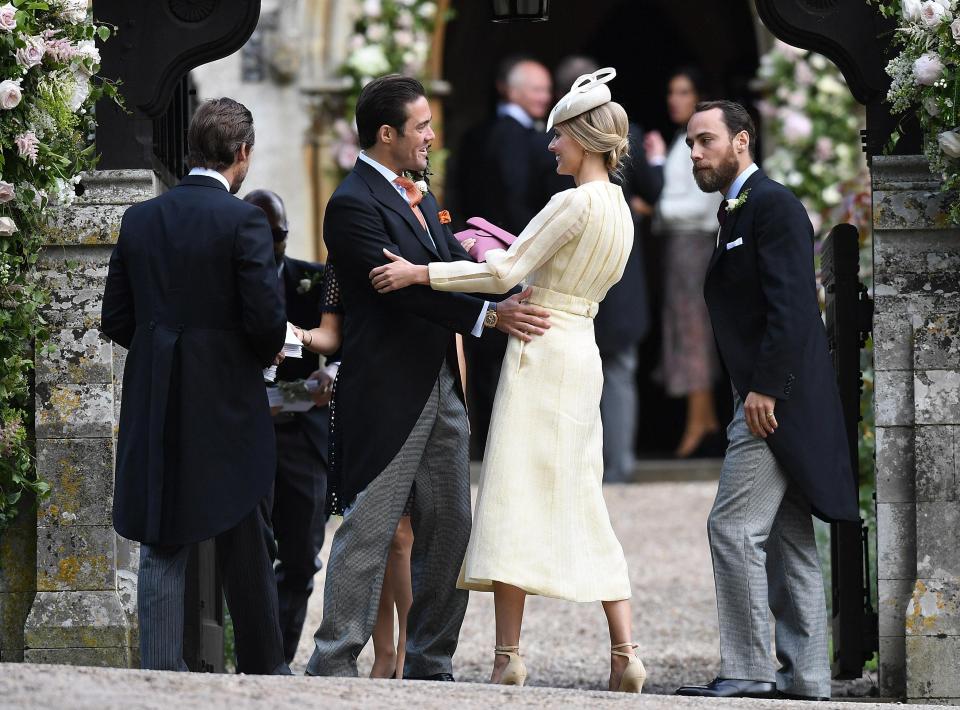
x: 787, y: 454
x: 623, y: 320
x: 401, y: 423
x: 192, y: 294
x: 505, y: 174
x: 297, y: 505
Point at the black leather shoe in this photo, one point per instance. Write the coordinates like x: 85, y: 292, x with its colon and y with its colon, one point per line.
x: 730, y: 688
x: 446, y: 677
x: 790, y: 696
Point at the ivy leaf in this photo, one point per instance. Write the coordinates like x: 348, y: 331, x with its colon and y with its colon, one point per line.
x: 103, y: 32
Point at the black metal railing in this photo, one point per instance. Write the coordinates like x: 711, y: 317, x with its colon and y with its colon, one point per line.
x: 849, y: 320
x: 170, y: 133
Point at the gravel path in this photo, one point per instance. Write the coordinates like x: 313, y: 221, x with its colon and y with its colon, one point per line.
x: 662, y: 527
x: 29, y: 687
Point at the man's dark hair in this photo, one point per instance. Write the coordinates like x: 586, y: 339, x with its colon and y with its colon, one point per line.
x: 383, y: 102
x: 217, y: 130
x: 735, y: 117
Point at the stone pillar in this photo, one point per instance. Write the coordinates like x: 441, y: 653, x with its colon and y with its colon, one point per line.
x: 85, y: 603
x: 917, y: 361
x: 18, y: 579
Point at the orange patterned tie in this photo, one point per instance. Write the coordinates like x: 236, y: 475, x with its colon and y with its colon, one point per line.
x: 413, y: 197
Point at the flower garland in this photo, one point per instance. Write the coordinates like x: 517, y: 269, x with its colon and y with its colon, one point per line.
x: 48, y: 61
x: 389, y: 36
x: 813, y: 123
x: 926, y: 79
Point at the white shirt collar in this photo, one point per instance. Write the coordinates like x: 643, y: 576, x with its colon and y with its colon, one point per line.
x: 735, y: 188
x: 387, y: 173
x: 206, y: 172
x: 516, y: 113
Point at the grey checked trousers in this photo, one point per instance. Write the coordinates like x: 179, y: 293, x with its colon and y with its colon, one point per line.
x: 765, y: 559
x: 435, y: 456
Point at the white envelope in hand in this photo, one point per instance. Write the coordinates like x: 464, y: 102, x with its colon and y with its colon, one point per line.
x: 737, y: 243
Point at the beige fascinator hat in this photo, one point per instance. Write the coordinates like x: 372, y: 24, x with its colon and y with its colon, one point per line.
x: 587, y: 92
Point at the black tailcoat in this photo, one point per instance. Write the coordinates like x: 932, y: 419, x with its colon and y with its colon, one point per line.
x: 303, y: 309
x: 192, y: 293
x: 761, y: 293
x: 394, y: 344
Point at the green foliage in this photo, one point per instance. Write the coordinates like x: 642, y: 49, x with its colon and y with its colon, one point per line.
x: 48, y: 88
x: 925, y: 73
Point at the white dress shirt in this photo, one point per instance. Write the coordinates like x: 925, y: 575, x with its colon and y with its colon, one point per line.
x: 390, y: 176
x: 735, y: 188
x: 206, y: 172
x: 516, y: 113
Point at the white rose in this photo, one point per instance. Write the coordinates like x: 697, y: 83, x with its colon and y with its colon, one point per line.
x: 950, y: 143
x: 933, y: 14
x: 87, y: 49
x: 10, y: 94
x: 911, y: 10
x: 376, y: 32
x: 405, y: 19
x: 403, y: 38
x: 74, y: 11
x: 829, y: 85
x: 955, y: 30
x: 7, y: 227
x: 8, y: 17
x: 422, y: 186
x: 928, y: 68
x: 7, y: 192
x: 305, y: 285
x: 356, y: 42
x: 796, y: 127
x: 931, y: 106
x: 372, y: 8
x: 31, y: 54
x: 369, y: 61
x: 428, y: 10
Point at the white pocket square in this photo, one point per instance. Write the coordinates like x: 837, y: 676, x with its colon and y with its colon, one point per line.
x: 734, y: 244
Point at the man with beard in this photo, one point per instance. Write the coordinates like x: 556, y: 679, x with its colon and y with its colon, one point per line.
x: 787, y: 453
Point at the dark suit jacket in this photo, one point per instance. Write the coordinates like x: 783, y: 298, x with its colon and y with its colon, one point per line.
x: 192, y: 294
x: 303, y: 309
x: 762, y: 299
x: 394, y: 344
x: 624, y: 315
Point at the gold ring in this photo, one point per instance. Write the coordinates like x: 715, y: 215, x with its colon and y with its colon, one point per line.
x: 769, y: 415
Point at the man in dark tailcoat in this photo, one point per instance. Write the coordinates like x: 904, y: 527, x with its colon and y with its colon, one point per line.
x: 787, y: 453
x: 400, y: 422
x: 192, y: 294
x: 296, y: 508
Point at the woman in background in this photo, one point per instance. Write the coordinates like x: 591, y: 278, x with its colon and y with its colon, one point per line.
x: 687, y: 218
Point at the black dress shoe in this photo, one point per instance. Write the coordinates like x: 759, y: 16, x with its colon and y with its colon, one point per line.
x: 790, y: 696
x: 446, y: 677
x: 730, y: 688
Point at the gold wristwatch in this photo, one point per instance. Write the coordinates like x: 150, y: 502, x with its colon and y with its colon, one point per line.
x: 490, y: 318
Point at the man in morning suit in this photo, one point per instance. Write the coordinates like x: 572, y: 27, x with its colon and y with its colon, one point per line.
x: 400, y: 416
x: 296, y: 507
x: 787, y: 454
x: 192, y: 294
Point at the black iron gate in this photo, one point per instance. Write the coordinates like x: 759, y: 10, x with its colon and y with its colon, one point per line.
x: 849, y: 317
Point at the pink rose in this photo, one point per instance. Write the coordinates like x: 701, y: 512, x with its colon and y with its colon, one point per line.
x: 10, y: 94
x: 7, y: 226
x: 27, y: 146
x: 928, y: 68
x: 8, y: 17
x: 955, y: 30
x: 31, y: 54
x: 933, y: 13
x: 7, y: 192
x: 796, y: 127
x: 824, y: 148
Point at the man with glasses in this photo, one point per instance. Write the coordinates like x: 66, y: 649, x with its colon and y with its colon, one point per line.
x: 297, y: 505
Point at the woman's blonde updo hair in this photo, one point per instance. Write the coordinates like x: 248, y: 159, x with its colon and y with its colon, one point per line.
x: 604, y: 130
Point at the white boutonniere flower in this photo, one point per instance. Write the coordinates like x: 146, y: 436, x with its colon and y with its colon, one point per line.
x: 422, y: 186
x: 305, y: 285
x: 739, y: 202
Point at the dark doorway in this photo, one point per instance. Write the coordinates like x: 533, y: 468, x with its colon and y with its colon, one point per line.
x: 644, y: 40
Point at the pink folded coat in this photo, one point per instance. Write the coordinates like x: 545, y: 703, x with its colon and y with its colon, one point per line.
x: 489, y: 236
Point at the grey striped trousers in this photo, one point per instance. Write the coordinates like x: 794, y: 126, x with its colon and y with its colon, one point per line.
x: 249, y: 586
x: 765, y: 559
x: 435, y: 456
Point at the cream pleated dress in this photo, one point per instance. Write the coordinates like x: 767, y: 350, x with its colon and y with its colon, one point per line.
x: 540, y: 522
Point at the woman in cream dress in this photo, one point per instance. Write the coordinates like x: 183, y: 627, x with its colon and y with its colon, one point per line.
x: 541, y: 525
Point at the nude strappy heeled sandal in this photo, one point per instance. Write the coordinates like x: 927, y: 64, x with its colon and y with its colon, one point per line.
x: 516, y: 672
x: 634, y: 674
